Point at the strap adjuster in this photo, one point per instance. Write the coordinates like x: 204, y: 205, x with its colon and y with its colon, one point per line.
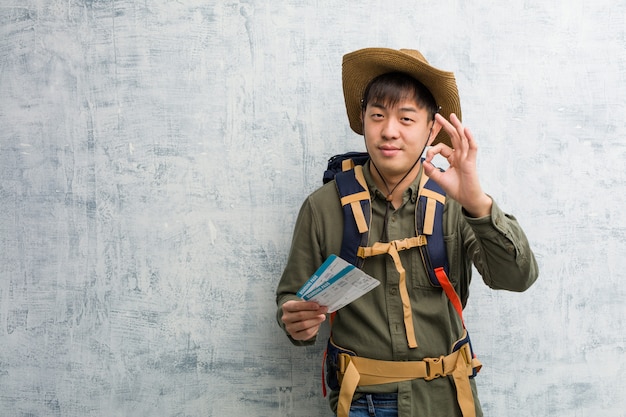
x: 434, y: 368
x: 343, y: 359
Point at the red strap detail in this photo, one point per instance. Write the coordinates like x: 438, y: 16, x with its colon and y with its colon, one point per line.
x: 324, y: 373
x: 449, y: 290
x: 331, y: 318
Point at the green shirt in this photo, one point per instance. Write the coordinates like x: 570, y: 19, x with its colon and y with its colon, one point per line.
x: 373, y: 326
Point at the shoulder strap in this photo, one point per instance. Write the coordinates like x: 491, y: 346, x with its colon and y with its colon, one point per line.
x: 429, y: 222
x: 355, y: 200
x: 347, y: 171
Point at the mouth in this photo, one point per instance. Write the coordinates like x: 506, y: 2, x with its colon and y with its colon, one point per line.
x: 389, y: 151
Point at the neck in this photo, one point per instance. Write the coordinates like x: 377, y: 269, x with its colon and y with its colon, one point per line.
x: 393, y: 186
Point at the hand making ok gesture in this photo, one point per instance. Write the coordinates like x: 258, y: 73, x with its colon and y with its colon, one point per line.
x: 460, y: 180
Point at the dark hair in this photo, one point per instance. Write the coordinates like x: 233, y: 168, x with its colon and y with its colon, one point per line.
x: 392, y: 87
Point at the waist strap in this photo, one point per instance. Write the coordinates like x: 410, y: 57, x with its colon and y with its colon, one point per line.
x: 356, y: 372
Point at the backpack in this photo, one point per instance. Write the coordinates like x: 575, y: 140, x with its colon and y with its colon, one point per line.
x: 346, y: 170
x: 428, y: 216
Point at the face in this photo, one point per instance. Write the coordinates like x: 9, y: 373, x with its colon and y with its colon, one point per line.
x: 395, y: 136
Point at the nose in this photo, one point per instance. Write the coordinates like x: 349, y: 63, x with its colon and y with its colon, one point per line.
x: 390, y: 129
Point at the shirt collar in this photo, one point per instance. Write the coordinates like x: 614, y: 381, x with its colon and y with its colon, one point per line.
x: 375, y: 192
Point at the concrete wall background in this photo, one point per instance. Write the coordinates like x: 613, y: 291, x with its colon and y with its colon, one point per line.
x: 153, y: 156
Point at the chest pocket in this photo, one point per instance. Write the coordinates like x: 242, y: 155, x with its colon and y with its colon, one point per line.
x: 419, y: 277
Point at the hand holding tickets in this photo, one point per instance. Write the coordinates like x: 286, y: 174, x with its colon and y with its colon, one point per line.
x: 336, y: 284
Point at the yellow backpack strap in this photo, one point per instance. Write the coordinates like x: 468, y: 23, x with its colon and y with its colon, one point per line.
x: 355, y: 202
x: 392, y: 248
x: 355, y: 199
x: 347, y: 164
x: 432, y: 197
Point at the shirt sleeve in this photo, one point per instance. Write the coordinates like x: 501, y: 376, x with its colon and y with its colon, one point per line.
x: 500, y: 251
x: 305, y: 256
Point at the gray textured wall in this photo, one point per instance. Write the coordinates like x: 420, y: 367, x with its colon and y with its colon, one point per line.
x: 153, y: 155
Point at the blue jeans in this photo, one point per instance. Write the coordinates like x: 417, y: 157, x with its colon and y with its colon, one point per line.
x: 378, y: 405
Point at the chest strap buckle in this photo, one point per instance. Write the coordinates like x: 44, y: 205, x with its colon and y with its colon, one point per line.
x: 434, y: 368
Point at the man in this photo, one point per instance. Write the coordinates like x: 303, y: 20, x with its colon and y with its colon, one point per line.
x: 401, y: 105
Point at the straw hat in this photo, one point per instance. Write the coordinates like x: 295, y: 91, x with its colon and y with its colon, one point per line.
x: 362, y: 66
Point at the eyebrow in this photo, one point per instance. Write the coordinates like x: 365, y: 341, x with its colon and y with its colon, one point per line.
x: 404, y: 109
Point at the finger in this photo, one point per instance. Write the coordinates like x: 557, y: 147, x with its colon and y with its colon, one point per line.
x: 470, y: 138
x: 297, y: 316
x: 460, y: 129
x: 303, y: 324
x: 306, y: 329
x: 445, y: 124
x: 295, y: 306
x: 290, y: 317
x: 450, y: 128
x: 305, y: 334
x: 456, y: 122
x: 432, y: 171
x: 468, y: 148
x: 439, y: 149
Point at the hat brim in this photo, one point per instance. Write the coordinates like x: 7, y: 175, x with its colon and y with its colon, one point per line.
x: 362, y: 66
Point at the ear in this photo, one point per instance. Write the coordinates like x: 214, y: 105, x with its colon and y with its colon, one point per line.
x: 434, y: 131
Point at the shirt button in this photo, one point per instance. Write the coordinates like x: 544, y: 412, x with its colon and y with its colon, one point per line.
x: 393, y: 291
